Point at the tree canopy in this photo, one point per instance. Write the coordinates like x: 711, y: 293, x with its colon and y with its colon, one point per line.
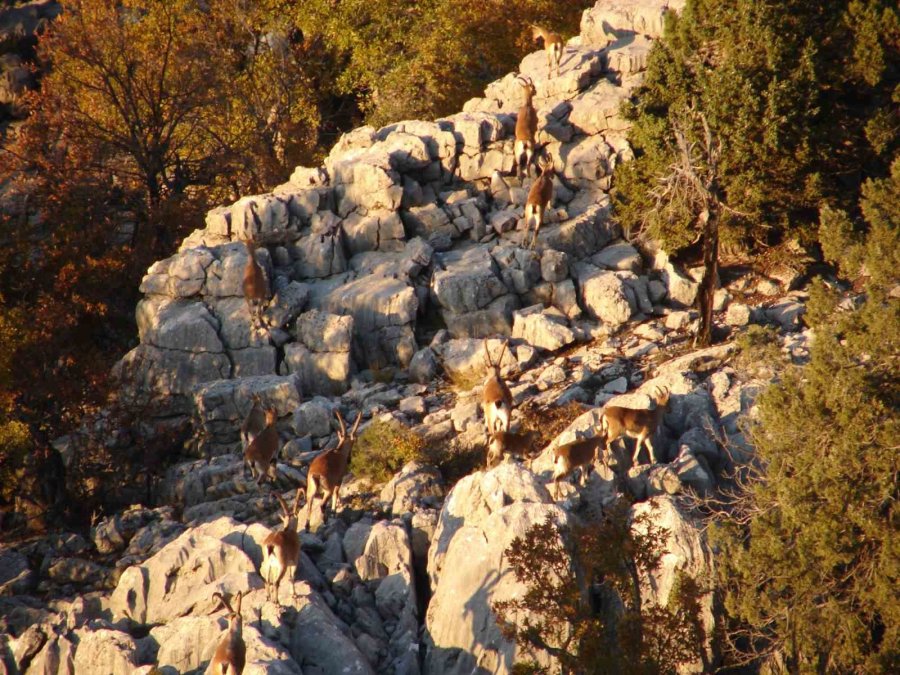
x: 804, y: 97
x: 810, y: 557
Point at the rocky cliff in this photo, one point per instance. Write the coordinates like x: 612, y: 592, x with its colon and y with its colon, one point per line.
x: 389, y: 265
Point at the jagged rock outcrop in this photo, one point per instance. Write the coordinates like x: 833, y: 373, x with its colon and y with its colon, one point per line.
x: 390, y: 264
x: 412, y: 220
x: 481, y: 516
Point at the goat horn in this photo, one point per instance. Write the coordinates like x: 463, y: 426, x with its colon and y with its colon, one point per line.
x: 356, y: 424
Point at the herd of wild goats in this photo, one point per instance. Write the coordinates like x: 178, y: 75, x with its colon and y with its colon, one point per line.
x: 261, y: 443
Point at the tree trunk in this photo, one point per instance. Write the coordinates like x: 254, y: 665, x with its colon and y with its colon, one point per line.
x: 710, y: 219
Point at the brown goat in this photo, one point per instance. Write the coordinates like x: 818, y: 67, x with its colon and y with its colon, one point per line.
x: 260, y: 454
x: 617, y: 421
x: 510, y: 443
x: 539, y: 197
x: 231, y: 654
x: 573, y: 455
x: 553, y: 45
x: 281, y: 550
x: 254, y: 422
x: 496, y: 399
x: 256, y: 288
x: 328, y: 469
x: 526, y: 128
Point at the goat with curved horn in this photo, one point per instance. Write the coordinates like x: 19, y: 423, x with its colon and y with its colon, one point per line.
x: 526, y: 128
x: 327, y: 471
x: 496, y: 399
x: 231, y: 653
x: 281, y: 550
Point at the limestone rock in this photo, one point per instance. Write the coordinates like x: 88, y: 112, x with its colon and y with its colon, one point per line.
x: 416, y: 484
x: 686, y: 551
x: 603, y: 295
x: 541, y: 329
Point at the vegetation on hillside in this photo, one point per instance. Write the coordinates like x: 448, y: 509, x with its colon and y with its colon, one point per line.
x: 803, y: 97
x: 149, y: 112
x: 582, y: 604
x: 809, y: 553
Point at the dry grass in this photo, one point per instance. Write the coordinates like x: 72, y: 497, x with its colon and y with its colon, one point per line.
x: 550, y: 421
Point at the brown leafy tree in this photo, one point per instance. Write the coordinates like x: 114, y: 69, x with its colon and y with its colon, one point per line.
x: 583, y: 604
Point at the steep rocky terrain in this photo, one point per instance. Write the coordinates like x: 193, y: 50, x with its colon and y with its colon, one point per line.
x: 390, y: 264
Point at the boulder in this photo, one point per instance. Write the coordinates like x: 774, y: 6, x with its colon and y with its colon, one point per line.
x: 415, y: 485
x: 183, y: 574
x: 603, y: 295
x: 687, y: 551
x: 462, y: 631
x: 473, y: 500
x: 542, y: 329
x: 105, y: 651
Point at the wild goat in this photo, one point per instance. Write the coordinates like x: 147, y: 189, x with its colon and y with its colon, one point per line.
x: 510, y: 443
x: 256, y: 288
x: 254, y: 422
x: 526, y: 128
x: 231, y: 654
x: 260, y: 454
x: 539, y: 197
x: 281, y: 550
x: 617, y: 421
x: 328, y: 469
x: 553, y: 45
x: 573, y: 455
x: 496, y: 399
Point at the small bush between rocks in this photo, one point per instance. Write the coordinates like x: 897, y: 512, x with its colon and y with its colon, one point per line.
x: 757, y: 348
x: 549, y: 421
x: 383, y: 448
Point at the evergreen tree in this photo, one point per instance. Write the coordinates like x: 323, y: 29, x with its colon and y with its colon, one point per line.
x: 809, y: 555
x: 804, y: 97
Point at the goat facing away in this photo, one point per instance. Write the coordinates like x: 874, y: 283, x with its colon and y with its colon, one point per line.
x: 329, y: 468
x: 254, y: 422
x: 506, y: 443
x: 553, y: 45
x: 617, y: 422
x: 260, y: 453
x: 526, y: 128
x: 496, y: 399
x: 539, y: 197
x: 281, y: 550
x: 570, y: 456
x: 256, y: 288
x: 231, y: 654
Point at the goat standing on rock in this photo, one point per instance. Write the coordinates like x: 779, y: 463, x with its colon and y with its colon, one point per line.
x: 640, y: 424
x: 573, y: 455
x: 260, y: 453
x: 282, y: 550
x: 539, y: 197
x: 553, y: 45
x: 496, y: 399
x: 231, y: 654
x: 254, y: 422
x: 526, y: 128
x: 256, y: 288
x: 328, y: 469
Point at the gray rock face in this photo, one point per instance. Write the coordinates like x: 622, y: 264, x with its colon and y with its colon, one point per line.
x: 542, y: 329
x: 222, y: 405
x: 480, y: 518
x: 467, y: 281
x: 423, y: 367
x: 603, y: 295
x: 170, y: 583
x: 15, y: 575
x: 415, y: 485
x: 688, y: 552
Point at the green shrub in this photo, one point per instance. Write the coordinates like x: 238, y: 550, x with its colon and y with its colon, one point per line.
x: 383, y: 448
